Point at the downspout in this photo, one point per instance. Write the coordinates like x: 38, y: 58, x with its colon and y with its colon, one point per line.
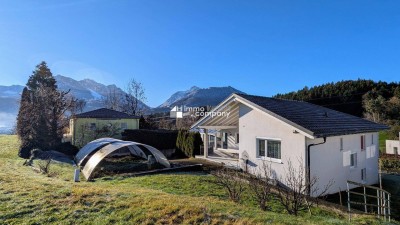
x: 309, y: 163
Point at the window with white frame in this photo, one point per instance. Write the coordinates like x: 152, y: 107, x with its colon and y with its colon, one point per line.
x: 364, y: 174
x: 372, y: 139
x: 237, y: 138
x: 261, y: 147
x: 269, y: 148
x: 353, y: 160
x: 341, y: 144
x: 362, y: 142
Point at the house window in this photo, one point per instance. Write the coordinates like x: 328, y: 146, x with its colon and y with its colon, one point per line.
x: 124, y: 126
x: 395, y: 151
x: 364, y: 174
x: 92, y: 126
x: 372, y: 138
x: 237, y: 138
x: 362, y: 142
x: 261, y: 148
x: 353, y: 160
x: 269, y: 148
x: 274, y: 149
x: 341, y: 144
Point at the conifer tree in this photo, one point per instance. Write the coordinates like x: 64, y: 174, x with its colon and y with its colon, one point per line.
x: 24, y: 128
x: 41, y: 115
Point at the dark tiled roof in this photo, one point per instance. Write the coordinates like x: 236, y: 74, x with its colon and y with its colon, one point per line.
x: 317, y: 119
x: 104, y: 113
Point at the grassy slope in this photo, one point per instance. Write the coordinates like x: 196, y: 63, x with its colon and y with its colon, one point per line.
x: 27, y: 197
x: 382, y: 141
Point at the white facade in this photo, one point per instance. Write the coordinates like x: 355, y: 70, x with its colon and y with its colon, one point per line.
x: 392, y: 147
x: 266, y: 138
x: 329, y: 161
x: 255, y: 125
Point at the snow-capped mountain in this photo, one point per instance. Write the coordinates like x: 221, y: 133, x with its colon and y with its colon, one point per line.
x: 88, y: 90
x: 196, y: 96
x: 93, y: 93
x: 9, y: 105
x: 178, y: 96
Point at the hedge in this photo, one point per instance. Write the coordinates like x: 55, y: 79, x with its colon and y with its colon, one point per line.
x: 160, y: 139
x: 390, y: 162
x: 189, y: 143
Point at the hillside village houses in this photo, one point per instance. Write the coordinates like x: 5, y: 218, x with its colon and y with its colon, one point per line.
x: 393, y: 147
x: 332, y: 145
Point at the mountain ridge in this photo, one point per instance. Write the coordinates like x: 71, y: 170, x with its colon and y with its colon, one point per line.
x: 93, y: 93
x: 196, y: 96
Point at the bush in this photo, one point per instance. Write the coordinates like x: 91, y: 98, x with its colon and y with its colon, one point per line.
x: 189, y: 142
x: 160, y: 139
x: 67, y: 148
x: 389, y: 162
x: 25, y: 150
x: 44, y: 166
x: 232, y: 181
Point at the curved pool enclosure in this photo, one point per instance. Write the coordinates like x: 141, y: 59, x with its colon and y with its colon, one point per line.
x: 90, y: 156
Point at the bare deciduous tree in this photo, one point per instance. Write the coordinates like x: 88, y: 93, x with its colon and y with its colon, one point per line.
x: 44, y: 166
x: 261, y: 184
x: 109, y: 130
x: 231, y: 181
x: 75, y: 105
x: 88, y: 134
x: 113, y: 100
x: 294, y: 195
x: 165, y: 123
x: 134, y: 98
x: 130, y: 102
x: 187, y: 121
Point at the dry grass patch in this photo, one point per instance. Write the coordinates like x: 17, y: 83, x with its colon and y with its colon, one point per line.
x: 28, y: 197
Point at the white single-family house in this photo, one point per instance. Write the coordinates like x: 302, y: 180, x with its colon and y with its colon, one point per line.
x: 393, y: 147
x: 248, y: 131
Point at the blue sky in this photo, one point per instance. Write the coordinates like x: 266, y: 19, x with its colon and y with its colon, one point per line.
x: 259, y: 47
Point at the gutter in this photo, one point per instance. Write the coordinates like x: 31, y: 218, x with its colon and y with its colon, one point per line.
x: 309, y: 163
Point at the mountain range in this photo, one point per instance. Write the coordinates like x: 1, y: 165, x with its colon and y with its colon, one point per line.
x: 93, y: 93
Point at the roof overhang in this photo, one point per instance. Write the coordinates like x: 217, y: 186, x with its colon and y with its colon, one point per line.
x: 239, y: 99
x: 218, y: 127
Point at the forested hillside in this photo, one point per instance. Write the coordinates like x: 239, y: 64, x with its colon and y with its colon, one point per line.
x: 376, y: 101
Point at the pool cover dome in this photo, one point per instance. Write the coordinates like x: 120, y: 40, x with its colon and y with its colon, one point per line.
x: 89, y: 157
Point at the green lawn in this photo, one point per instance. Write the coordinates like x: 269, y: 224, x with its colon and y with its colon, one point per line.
x: 382, y: 141
x: 28, y: 197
